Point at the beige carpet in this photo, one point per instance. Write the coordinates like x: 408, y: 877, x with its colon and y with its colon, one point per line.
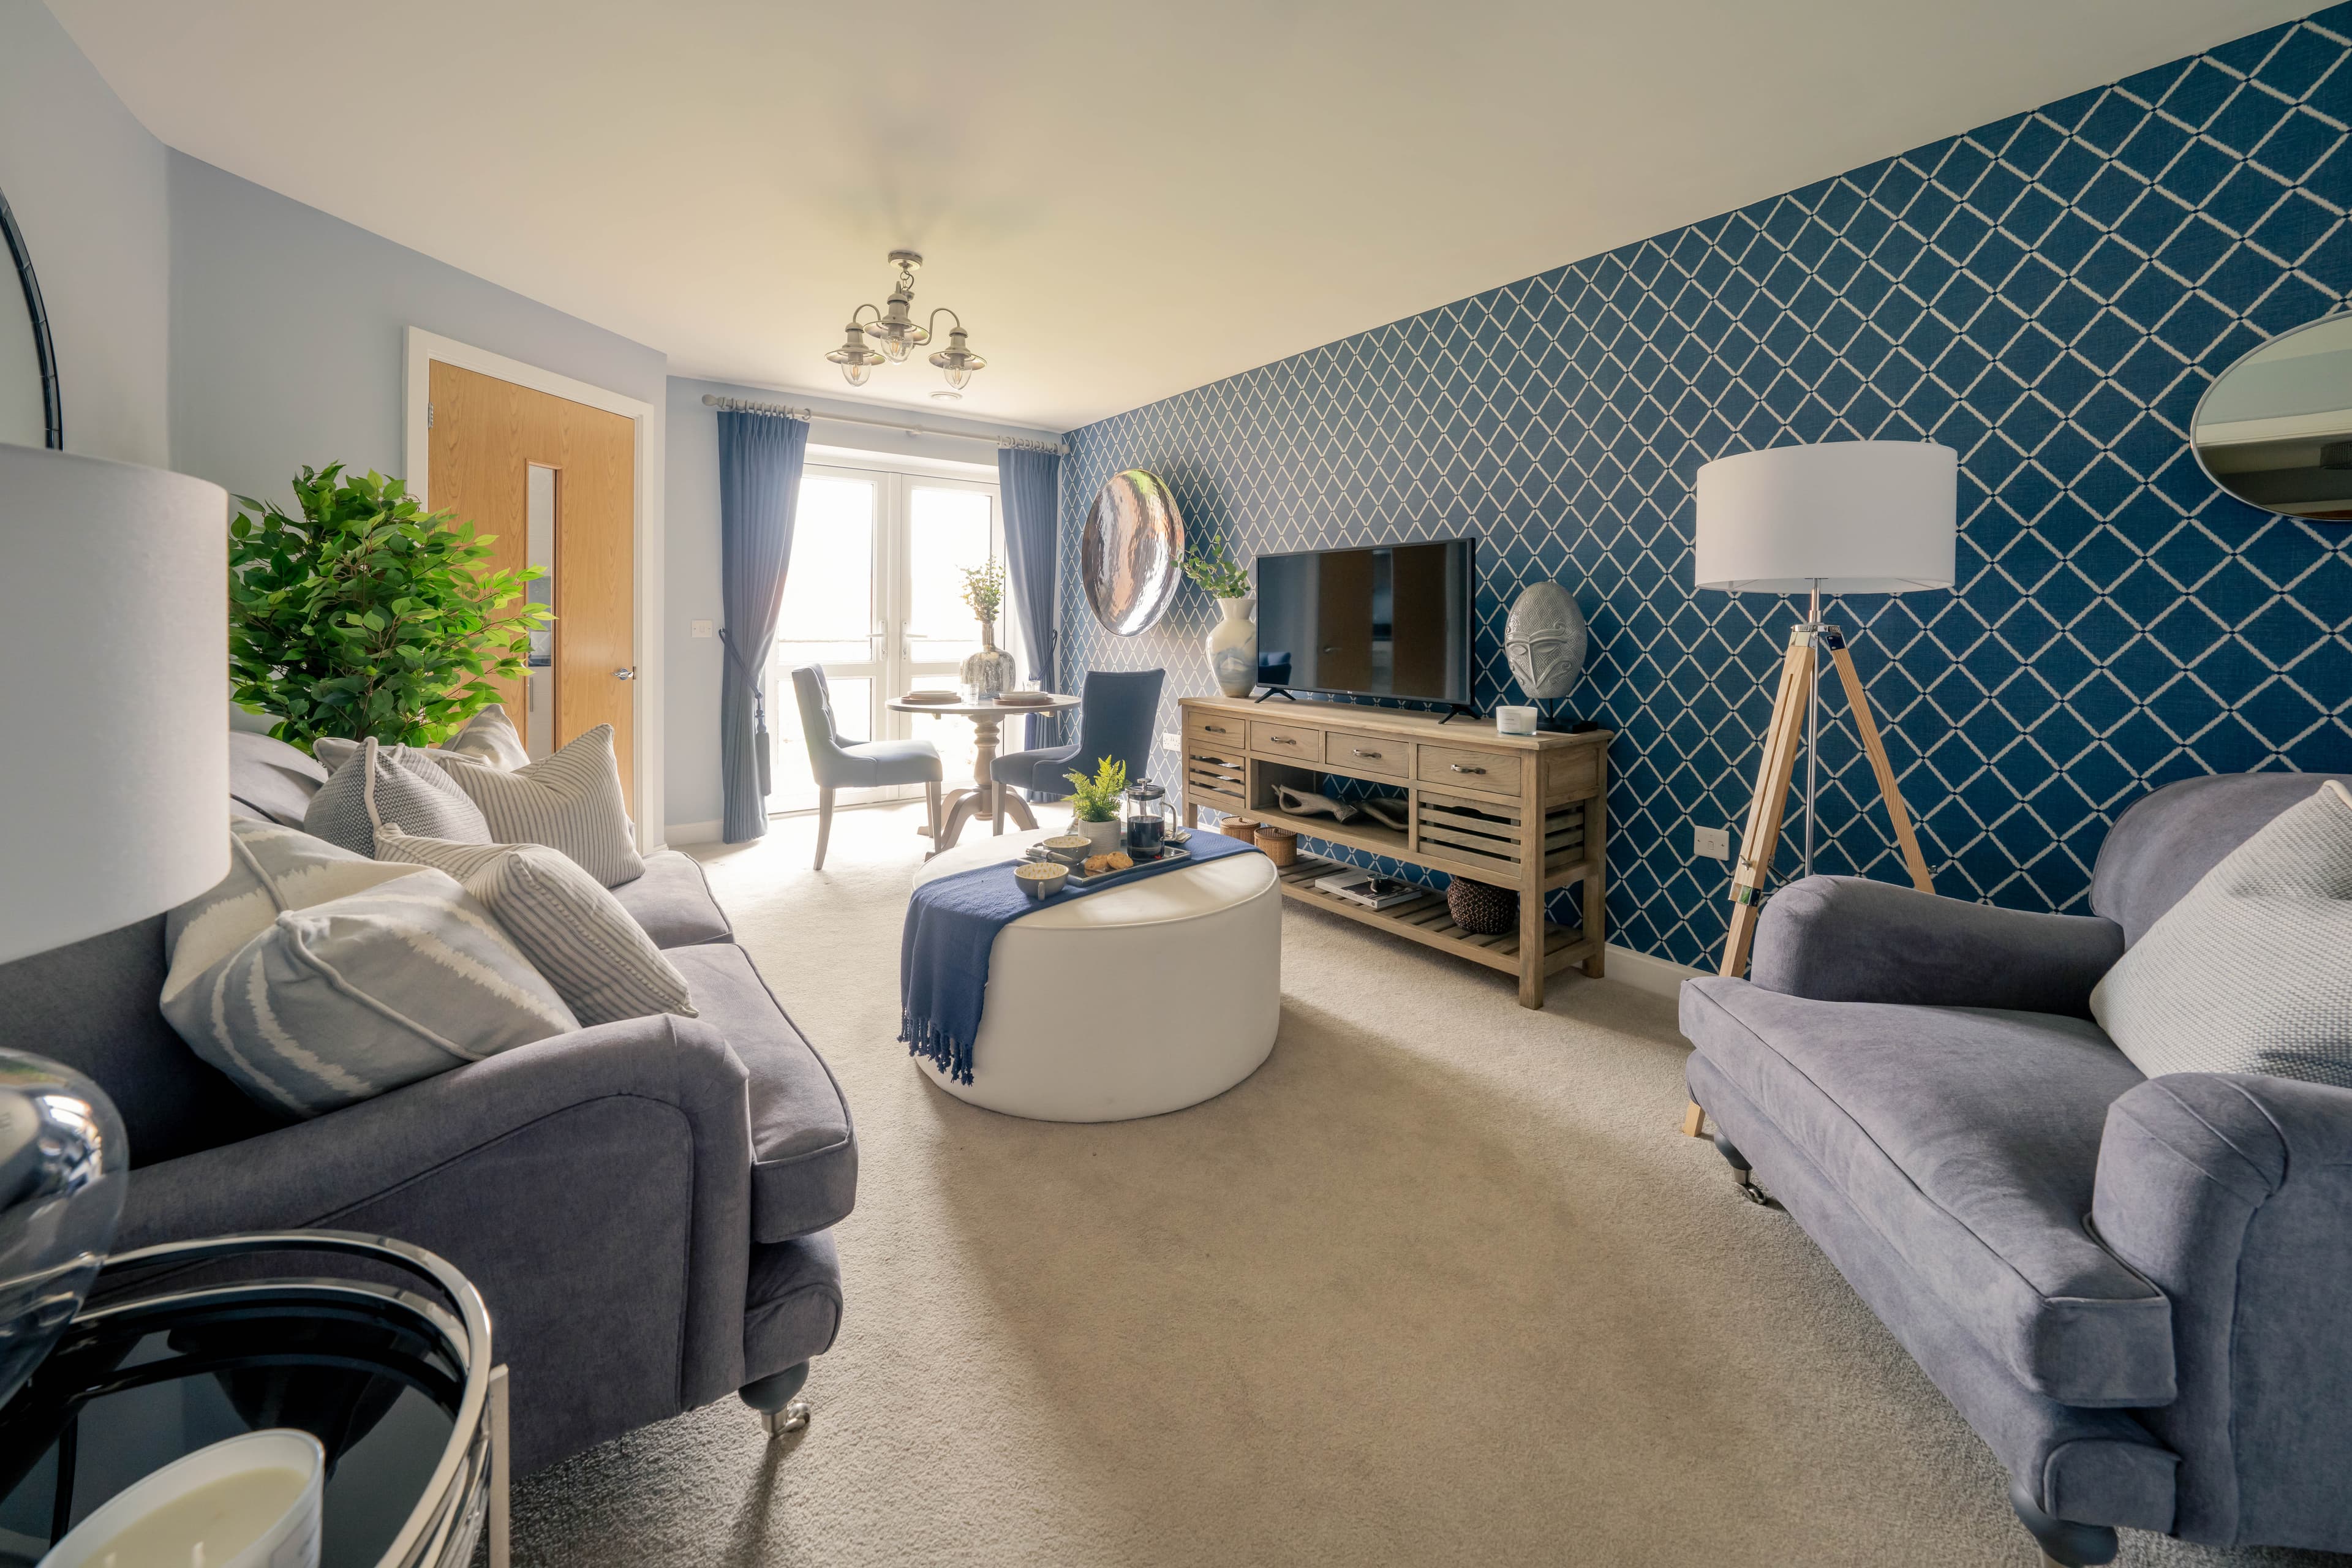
x: 1439, y: 1285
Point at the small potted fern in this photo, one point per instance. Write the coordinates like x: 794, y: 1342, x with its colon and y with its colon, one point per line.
x: 1232, y: 642
x: 1095, y: 804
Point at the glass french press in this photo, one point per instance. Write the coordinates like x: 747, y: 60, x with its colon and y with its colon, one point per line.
x: 1147, y: 820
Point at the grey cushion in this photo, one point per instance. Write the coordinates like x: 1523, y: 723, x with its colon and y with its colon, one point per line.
x: 392, y: 785
x: 489, y: 736
x: 1040, y: 771
x: 270, y: 779
x: 2164, y: 846
x: 872, y: 762
x: 791, y: 1304
x: 804, y: 1150
x: 2252, y: 970
x: 1970, y: 1140
x: 571, y: 801
x: 575, y: 933
x: 672, y: 901
x: 336, y: 1001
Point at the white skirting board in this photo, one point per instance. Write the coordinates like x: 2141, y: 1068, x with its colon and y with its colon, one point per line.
x: 680, y: 834
x: 1659, y: 976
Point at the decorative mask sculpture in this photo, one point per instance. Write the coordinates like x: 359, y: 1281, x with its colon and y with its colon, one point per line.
x: 1544, y: 639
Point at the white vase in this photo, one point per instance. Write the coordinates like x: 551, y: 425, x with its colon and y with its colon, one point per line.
x: 1232, y: 647
x: 1101, y: 837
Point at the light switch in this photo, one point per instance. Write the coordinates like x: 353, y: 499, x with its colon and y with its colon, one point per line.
x: 702, y: 629
x: 1711, y: 843
x: 1172, y: 740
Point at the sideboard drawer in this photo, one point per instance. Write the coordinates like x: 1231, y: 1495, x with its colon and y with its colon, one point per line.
x: 1286, y: 741
x: 1380, y: 754
x: 1223, y: 728
x: 1496, y: 773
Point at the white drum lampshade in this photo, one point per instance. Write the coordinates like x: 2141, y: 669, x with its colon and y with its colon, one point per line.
x: 1847, y: 517
x: 113, y: 695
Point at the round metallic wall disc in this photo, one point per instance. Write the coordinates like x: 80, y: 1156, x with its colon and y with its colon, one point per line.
x: 1130, y: 556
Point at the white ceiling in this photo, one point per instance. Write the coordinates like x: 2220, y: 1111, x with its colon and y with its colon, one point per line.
x: 1123, y: 199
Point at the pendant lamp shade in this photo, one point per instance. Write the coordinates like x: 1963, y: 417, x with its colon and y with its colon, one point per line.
x: 113, y: 695
x: 1848, y: 516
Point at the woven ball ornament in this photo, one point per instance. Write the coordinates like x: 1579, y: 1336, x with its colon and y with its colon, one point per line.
x: 1481, y: 908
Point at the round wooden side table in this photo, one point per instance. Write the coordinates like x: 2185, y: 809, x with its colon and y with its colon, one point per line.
x: 986, y: 799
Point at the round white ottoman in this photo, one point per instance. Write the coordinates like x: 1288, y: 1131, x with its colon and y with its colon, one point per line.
x: 1139, y: 999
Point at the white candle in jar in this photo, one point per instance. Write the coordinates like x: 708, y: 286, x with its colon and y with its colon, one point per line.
x: 249, y: 1502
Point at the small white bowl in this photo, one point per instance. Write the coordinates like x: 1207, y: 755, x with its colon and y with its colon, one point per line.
x: 239, y: 1487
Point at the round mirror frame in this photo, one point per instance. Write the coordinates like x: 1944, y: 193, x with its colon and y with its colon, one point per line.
x: 1130, y: 556
x: 2339, y: 319
x: 53, y: 418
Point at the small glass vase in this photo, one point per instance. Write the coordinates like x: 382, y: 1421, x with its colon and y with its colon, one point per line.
x: 989, y: 673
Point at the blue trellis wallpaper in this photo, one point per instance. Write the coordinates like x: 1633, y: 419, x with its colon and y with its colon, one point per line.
x: 2049, y: 295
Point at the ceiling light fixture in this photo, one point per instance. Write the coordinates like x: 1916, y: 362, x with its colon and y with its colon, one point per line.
x: 894, y: 332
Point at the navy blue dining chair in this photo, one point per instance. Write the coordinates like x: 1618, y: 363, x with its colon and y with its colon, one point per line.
x: 1116, y: 710
x: 856, y: 764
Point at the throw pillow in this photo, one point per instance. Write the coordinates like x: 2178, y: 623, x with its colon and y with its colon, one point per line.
x: 342, y: 1000
x: 490, y: 737
x: 570, y: 801
x: 271, y: 869
x: 391, y: 785
x: 599, y: 959
x: 2247, y: 973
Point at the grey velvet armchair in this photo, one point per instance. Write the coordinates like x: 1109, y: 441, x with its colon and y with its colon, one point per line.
x: 856, y: 764
x: 2137, y: 1291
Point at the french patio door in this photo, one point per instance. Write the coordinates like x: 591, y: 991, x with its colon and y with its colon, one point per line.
x: 874, y: 594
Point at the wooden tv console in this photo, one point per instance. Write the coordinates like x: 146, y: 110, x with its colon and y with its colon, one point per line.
x: 1517, y: 811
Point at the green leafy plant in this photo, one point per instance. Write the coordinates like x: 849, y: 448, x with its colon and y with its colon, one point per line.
x: 1217, y: 574
x: 983, y: 588
x: 1097, y: 799
x: 361, y: 613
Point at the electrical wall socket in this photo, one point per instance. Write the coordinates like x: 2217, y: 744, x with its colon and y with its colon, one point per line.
x: 1710, y: 843
x: 1172, y: 740
x: 702, y: 629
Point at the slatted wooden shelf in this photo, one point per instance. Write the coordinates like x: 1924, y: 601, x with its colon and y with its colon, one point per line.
x: 1425, y: 920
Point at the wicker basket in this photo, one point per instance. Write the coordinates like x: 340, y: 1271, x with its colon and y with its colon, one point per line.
x: 1482, y: 908
x: 1281, y: 845
x: 1241, y: 828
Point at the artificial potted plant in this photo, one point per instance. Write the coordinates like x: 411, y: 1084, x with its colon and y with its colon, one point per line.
x: 366, y: 615
x: 989, y: 672
x: 1094, y: 805
x: 1232, y: 641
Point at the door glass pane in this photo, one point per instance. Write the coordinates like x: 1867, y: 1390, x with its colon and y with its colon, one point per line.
x: 952, y: 737
x: 852, y: 715
x: 828, y: 608
x: 947, y: 532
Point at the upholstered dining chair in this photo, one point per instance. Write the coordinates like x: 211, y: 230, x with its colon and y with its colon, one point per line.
x: 853, y: 765
x: 1115, y: 710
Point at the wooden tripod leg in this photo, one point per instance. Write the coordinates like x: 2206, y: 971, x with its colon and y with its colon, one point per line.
x: 1762, y: 835
x: 1856, y: 699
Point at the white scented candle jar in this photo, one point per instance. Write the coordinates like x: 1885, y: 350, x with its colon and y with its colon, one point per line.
x: 1516, y: 720
x: 249, y: 1502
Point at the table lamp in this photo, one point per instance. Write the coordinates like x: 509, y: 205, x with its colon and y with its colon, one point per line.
x: 114, y: 807
x: 1846, y: 517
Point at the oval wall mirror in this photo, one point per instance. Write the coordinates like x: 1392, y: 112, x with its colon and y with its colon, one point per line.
x: 30, y: 414
x: 2276, y: 430
x: 1130, y: 556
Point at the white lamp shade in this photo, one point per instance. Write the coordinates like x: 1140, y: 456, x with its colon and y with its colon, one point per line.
x: 113, y: 695
x: 1850, y: 517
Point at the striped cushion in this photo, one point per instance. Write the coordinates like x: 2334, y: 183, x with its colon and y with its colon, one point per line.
x: 579, y: 938
x: 571, y: 801
x: 339, y: 1000
x: 490, y: 737
x: 2247, y: 973
x: 391, y: 785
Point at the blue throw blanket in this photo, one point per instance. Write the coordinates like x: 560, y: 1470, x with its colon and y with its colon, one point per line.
x: 952, y: 923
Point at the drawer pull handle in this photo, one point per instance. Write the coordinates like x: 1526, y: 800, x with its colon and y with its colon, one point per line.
x: 1361, y: 752
x: 1458, y: 768
x: 1282, y: 740
x: 1214, y: 729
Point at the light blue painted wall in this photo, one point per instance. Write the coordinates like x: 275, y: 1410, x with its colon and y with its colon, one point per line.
x: 88, y: 185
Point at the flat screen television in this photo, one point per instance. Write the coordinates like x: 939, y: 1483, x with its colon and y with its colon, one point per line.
x: 1390, y: 621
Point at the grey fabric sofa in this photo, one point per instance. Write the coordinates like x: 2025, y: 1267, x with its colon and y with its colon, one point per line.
x: 2137, y: 1291
x: 643, y: 1205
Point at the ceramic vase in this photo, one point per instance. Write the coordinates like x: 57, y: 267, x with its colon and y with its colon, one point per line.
x: 989, y: 673
x: 1101, y: 837
x: 1232, y: 647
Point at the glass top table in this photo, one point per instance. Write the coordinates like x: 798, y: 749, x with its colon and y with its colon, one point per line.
x: 185, y: 1345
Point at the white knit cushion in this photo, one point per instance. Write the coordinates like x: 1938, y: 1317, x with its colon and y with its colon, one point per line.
x: 578, y: 936
x: 391, y: 785
x: 2249, y: 973
x: 337, y: 1001
x: 571, y: 801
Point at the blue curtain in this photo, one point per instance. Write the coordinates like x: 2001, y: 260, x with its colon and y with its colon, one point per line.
x: 760, y: 457
x: 1031, y: 485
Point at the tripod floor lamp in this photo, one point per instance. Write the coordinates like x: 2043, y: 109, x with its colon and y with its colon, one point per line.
x: 1846, y: 517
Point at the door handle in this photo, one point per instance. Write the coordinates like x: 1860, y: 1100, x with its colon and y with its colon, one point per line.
x: 628, y: 674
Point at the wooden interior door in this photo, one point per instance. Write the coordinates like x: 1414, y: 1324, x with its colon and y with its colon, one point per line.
x: 485, y: 436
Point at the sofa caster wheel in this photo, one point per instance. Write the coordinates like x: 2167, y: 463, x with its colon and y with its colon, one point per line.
x: 792, y: 1417
x: 1742, y: 1175
x: 2064, y: 1542
x: 777, y: 1399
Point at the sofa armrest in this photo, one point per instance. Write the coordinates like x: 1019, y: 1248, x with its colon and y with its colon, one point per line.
x: 595, y: 1186
x: 2232, y: 1193
x: 1849, y: 938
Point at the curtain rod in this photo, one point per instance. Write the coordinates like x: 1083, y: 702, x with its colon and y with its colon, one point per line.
x: 740, y: 406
